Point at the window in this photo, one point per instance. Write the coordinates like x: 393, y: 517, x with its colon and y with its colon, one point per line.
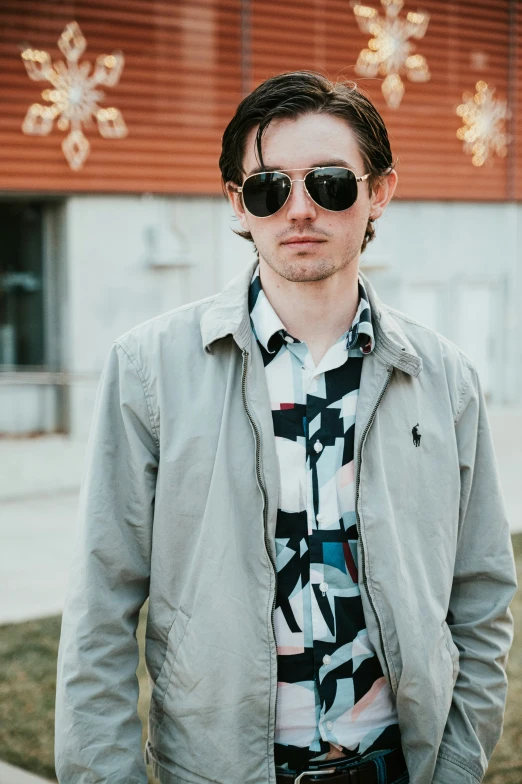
x: 22, y: 332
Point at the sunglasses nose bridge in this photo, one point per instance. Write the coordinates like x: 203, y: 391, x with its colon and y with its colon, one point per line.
x: 303, y: 180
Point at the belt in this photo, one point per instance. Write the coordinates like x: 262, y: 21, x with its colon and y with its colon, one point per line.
x: 361, y: 773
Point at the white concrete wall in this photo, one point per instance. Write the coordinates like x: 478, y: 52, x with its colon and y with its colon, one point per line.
x: 456, y: 267
x: 110, y: 285
x: 27, y: 408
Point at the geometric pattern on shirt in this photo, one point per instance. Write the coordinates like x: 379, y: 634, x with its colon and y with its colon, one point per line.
x: 331, y: 688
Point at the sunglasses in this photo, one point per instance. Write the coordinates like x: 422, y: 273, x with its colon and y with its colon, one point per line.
x: 333, y: 188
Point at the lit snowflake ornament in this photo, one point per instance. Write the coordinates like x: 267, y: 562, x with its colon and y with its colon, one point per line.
x: 484, y: 129
x: 389, y: 50
x: 74, y: 97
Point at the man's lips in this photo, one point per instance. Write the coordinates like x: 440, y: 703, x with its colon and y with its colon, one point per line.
x: 304, y: 241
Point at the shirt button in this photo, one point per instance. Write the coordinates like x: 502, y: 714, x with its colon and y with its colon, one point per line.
x: 289, y: 339
x: 329, y: 725
x: 327, y: 659
x: 320, y: 518
x: 323, y: 587
x: 318, y: 446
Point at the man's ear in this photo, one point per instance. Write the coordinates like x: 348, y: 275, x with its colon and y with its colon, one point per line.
x: 236, y: 200
x: 383, y: 193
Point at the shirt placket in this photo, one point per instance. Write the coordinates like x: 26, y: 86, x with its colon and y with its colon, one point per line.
x: 314, y: 448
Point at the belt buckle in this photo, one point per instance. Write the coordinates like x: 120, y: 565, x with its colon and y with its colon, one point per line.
x: 313, y: 773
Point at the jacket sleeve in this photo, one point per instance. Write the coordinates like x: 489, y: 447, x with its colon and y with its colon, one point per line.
x: 98, y: 731
x: 484, y: 583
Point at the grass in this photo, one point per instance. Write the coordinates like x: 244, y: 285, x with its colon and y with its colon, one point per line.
x: 27, y: 683
x: 28, y: 677
x: 28, y: 653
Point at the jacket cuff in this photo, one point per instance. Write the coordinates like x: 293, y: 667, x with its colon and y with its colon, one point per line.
x: 453, y: 770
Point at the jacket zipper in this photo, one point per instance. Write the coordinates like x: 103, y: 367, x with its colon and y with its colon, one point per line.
x: 357, y: 483
x: 257, y: 437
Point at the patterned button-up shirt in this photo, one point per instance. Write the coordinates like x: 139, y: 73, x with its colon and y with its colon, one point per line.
x: 331, y: 693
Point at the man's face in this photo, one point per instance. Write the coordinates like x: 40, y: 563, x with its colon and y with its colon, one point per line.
x: 308, y: 141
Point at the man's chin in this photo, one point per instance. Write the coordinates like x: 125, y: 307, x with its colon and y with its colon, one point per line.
x: 303, y: 270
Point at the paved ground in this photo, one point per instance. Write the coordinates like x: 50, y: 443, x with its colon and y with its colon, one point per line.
x: 10, y: 775
x: 36, y: 537
x: 39, y: 481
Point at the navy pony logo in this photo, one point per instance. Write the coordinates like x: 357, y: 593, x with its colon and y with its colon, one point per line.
x: 416, y: 435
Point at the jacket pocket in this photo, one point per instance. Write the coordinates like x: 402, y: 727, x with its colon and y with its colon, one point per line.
x: 452, y: 650
x: 174, y: 640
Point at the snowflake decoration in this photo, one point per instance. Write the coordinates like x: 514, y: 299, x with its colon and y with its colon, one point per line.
x: 389, y: 51
x: 74, y: 97
x: 484, y: 129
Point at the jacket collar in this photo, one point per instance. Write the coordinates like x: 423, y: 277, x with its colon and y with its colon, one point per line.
x: 391, y: 342
x: 229, y: 315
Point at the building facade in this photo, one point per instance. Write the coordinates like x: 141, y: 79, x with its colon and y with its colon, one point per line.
x: 143, y: 226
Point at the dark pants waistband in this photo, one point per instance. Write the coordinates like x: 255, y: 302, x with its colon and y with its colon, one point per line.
x: 388, y: 768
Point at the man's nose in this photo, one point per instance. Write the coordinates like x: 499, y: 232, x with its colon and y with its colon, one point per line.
x: 299, y: 204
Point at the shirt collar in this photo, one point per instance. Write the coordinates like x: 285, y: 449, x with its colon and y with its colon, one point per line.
x: 271, y: 333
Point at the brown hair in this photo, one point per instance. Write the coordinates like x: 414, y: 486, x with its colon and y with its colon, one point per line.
x: 293, y: 94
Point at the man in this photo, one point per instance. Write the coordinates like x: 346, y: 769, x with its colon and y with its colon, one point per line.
x: 302, y: 481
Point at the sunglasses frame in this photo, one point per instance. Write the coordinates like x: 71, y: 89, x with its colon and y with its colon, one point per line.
x: 309, y: 170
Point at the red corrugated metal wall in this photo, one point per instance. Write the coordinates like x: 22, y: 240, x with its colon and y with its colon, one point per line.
x: 188, y: 63
x: 180, y: 84
x: 516, y: 78
x: 462, y: 35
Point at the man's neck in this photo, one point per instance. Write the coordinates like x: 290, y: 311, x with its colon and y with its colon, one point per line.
x: 316, y: 312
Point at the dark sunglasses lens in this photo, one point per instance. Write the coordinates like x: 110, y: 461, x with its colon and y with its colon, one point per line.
x: 264, y: 194
x: 333, y: 188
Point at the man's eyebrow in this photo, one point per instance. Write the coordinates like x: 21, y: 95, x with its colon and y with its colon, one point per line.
x: 330, y: 162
